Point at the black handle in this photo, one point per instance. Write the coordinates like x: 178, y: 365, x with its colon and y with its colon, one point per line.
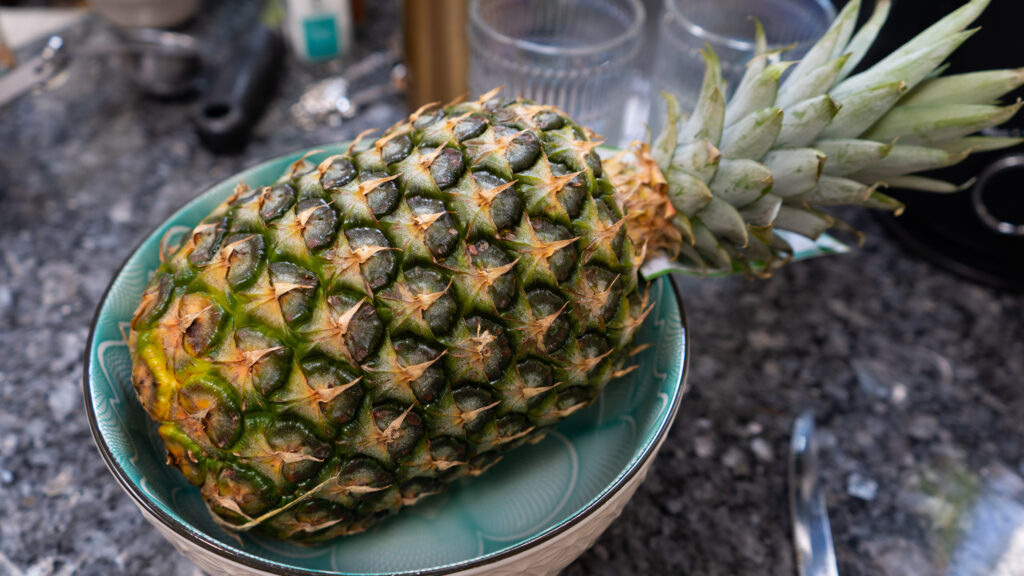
x: 240, y: 92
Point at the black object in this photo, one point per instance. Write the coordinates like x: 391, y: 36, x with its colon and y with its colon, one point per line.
x: 239, y: 92
x: 979, y: 232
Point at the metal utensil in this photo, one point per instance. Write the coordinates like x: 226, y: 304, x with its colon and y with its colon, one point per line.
x: 161, y: 63
x: 35, y: 71
x: 331, y: 101
x: 812, y: 534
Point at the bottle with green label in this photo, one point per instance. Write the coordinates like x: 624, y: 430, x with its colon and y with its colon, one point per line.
x: 319, y: 29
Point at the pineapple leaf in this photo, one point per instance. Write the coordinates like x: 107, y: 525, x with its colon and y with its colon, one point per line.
x: 795, y: 170
x: 822, y: 52
x: 753, y: 136
x: 934, y: 124
x: 846, y: 157
x: 865, y: 38
x: 822, y: 136
x: 973, y: 88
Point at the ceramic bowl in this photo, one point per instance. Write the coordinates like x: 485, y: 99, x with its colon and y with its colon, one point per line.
x: 532, y: 513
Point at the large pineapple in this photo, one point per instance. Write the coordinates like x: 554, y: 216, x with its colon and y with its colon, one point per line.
x: 324, y: 350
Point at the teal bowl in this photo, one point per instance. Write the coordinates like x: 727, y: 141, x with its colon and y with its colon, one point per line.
x: 532, y: 513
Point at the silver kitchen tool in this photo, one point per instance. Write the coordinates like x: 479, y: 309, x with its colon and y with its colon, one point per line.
x: 160, y: 63
x: 332, y: 101
x: 812, y: 534
x: 35, y: 71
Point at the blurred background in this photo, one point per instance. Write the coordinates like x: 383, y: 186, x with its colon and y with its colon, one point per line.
x: 115, y: 112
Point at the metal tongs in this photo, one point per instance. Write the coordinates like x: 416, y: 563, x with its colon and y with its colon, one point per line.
x: 812, y: 534
x: 34, y: 72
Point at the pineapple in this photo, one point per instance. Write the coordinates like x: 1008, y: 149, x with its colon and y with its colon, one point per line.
x: 327, y: 349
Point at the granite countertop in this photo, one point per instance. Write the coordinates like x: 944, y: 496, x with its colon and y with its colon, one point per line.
x: 915, y: 374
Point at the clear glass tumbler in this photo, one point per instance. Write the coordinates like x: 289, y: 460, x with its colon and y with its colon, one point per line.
x: 579, y: 55
x: 728, y: 27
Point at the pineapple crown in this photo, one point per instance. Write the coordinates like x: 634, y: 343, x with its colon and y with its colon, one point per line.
x: 722, y: 190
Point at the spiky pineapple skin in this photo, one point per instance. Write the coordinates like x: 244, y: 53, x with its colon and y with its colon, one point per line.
x: 323, y: 351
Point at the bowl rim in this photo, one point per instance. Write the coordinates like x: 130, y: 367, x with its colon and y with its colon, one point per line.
x: 215, y: 547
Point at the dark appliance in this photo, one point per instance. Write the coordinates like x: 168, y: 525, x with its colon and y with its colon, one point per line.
x: 979, y: 232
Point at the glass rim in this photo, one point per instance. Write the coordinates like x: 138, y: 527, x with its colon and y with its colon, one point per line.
x: 673, y: 9
x: 633, y: 30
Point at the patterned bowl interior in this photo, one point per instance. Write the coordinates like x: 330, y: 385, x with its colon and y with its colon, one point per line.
x: 527, y: 497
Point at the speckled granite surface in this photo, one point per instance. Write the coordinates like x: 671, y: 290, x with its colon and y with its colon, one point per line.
x: 916, y: 376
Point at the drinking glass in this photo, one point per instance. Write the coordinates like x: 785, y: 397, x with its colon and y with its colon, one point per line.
x: 579, y: 55
x: 728, y: 27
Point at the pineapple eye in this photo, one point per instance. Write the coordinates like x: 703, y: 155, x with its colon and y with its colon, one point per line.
x: 497, y: 102
x: 549, y: 120
x: 472, y: 402
x: 513, y: 426
x: 363, y: 471
x: 146, y: 388
x: 448, y: 450
x: 481, y: 462
x: 420, y: 487
x: 441, y: 314
x: 573, y: 397
x: 247, y: 253
x: 428, y: 119
x: 206, y: 318
x: 210, y: 401
x: 608, y: 217
x: 365, y: 329
x: 562, y: 262
x: 535, y: 374
x: 523, y: 152
x: 297, y: 303
x: 487, y: 256
x: 183, y: 453
x: 323, y: 374
x: 271, y: 369
x: 545, y: 303
x: 253, y: 492
x: 447, y: 168
x: 275, y: 201
x: 293, y: 437
x: 429, y: 385
x: 155, y: 300
x: 242, y: 197
x: 495, y: 348
x: 594, y: 163
x: 396, y: 149
x: 574, y: 194
x: 384, y: 198
x: 319, y: 223
x: 439, y: 237
x: 317, y: 514
x: 380, y: 268
x: 471, y: 127
x: 593, y: 345
x: 401, y: 438
x: 598, y: 281
x: 207, y: 239
x: 340, y: 172
x: 503, y: 116
x: 506, y: 208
